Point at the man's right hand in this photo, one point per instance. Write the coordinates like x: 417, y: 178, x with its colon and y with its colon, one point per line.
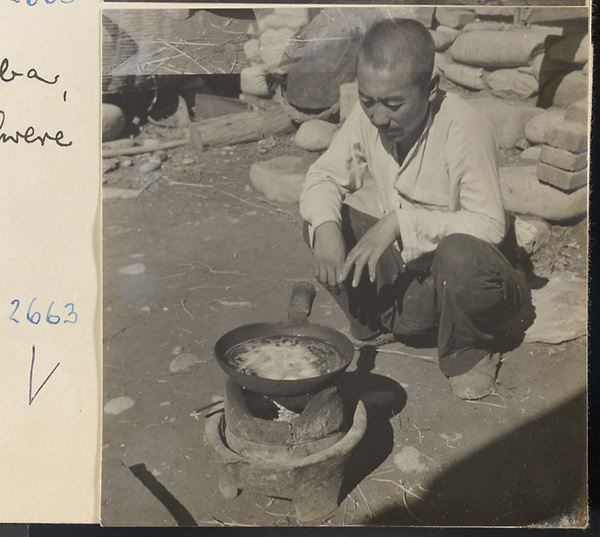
x: 329, y: 254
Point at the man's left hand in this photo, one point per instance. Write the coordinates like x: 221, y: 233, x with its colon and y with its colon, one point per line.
x: 370, y: 248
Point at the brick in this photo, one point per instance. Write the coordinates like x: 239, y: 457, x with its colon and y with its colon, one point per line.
x: 523, y: 193
x: 568, y: 136
x: 565, y: 160
x: 578, y: 112
x: 453, y: 17
x: 561, y: 179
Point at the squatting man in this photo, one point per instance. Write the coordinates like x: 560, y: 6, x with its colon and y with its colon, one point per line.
x: 440, y: 261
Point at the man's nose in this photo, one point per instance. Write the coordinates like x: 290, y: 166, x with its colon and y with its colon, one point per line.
x: 379, y: 116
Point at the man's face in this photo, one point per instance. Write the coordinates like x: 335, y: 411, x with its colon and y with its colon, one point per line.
x: 393, y: 101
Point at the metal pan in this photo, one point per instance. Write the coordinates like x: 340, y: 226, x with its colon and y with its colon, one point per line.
x: 297, y: 324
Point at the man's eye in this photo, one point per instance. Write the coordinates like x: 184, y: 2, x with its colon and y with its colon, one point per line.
x: 393, y: 107
x: 367, y: 104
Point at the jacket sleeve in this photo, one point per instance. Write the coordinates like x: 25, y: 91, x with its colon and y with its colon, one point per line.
x: 476, y: 206
x: 336, y: 173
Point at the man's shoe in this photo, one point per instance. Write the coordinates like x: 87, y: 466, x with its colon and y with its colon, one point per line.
x: 377, y: 340
x: 479, y: 381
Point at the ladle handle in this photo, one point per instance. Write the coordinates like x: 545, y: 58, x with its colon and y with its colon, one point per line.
x: 301, y: 301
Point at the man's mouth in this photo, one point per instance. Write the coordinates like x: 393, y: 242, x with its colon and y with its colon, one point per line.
x: 391, y: 133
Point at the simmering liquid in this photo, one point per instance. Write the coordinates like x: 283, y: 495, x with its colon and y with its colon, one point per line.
x: 284, y: 357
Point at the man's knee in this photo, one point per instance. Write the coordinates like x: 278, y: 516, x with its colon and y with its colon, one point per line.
x: 456, y: 255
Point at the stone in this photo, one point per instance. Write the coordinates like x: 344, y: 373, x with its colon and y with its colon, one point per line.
x: 184, y: 363
x: 454, y: 17
x: 555, y: 14
x: 109, y: 165
x: 537, y: 126
x: 441, y: 40
x: 492, y: 26
x: 514, y: 48
x: 522, y: 144
x: 276, y: 27
x: 280, y: 178
x: 512, y: 84
x: 560, y: 309
x: 509, y: 119
x: 448, y: 31
x: 565, y: 160
x: 410, y: 461
x: 122, y: 193
x: 149, y: 164
x: 323, y: 53
x: 253, y: 81
x: 117, y: 405
x: 531, y: 153
x: 135, y: 269
x: 463, y: 75
x: 440, y: 60
x: 568, y: 136
x: 570, y: 49
x: 578, y: 112
x: 523, y: 194
x: 536, y: 66
x: 251, y: 48
x: 494, y: 12
x: 531, y: 233
x: 113, y: 122
x: 348, y: 99
x: 561, y: 179
x: 572, y: 88
x: 315, y: 135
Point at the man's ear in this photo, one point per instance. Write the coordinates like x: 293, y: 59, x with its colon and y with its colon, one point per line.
x: 434, y: 84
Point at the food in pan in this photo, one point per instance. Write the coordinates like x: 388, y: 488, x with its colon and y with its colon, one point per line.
x: 284, y: 357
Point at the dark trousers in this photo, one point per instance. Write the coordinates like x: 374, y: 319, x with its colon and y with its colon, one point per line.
x: 464, y: 291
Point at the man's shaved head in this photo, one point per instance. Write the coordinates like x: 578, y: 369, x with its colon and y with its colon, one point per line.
x: 392, y: 43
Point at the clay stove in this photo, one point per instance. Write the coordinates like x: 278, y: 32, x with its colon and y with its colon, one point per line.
x: 300, y: 456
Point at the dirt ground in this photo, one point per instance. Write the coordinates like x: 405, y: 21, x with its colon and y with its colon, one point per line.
x: 210, y: 253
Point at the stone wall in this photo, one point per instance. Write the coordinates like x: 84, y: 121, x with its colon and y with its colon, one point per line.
x: 526, y: 69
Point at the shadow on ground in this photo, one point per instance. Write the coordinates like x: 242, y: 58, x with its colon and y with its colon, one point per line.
x: 534, y: 475
x: 383, y: 399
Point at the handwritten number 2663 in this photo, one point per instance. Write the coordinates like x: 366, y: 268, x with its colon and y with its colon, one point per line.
x: 34, y: 316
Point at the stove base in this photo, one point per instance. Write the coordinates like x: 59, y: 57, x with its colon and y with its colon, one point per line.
x: 313, y: 482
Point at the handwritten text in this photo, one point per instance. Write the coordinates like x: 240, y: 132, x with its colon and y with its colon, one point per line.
x: 29, y: 136
x: 34, y: 316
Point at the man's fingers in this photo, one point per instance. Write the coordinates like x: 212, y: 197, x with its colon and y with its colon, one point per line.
x: 359, y: 265
x: 373, y: 268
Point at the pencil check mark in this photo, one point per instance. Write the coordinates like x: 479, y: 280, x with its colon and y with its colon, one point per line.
x: 32, y: 398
